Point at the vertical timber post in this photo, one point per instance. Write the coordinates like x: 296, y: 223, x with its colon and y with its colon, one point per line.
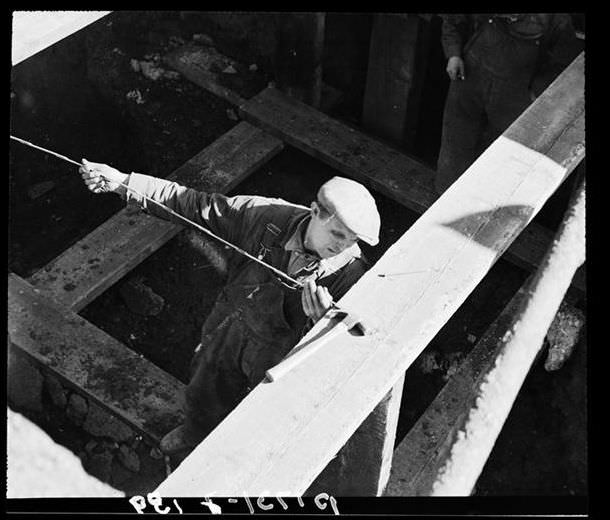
x: 362, y: 467
x: 319, y: 24
x: 392, y: 94
x: 299, y: 53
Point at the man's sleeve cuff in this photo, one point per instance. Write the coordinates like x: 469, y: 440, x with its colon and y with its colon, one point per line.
x: 139, y: 183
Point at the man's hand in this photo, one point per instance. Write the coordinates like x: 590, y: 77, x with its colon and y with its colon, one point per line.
x: 455, y: 68
x: 101, y: 178
x: 316, y: 300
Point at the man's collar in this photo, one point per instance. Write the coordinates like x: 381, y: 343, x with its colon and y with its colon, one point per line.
x: 295, y: 242
x: 326, y: 265
x: 334, y: 263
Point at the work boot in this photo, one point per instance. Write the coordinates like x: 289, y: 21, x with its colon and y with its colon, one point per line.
x: 179, y: 439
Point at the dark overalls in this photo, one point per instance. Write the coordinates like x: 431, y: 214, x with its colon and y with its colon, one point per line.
x: 501, y: 60
x: 257, y: 318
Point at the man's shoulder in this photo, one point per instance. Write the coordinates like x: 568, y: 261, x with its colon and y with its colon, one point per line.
x: 270, y: 205
x: 268, y: 210
x: 280, y: 207
x: 359, y: 263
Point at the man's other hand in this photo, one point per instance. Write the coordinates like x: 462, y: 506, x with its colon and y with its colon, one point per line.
x: 316, y: 300
x: 455, y: 68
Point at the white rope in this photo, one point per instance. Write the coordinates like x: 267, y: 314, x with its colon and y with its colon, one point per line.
x: 45, y: 150
x: 194, y: 224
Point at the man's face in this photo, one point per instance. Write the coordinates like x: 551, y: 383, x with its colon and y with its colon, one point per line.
x: 326, y: 234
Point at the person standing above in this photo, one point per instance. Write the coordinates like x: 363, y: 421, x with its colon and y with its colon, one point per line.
x: 498, y: 64
x: 258, y: 317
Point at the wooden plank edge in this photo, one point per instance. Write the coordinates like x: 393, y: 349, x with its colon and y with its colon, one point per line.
x: 168, y: 390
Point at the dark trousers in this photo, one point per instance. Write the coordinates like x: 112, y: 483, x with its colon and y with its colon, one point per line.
x: 477, y: 111
x: 245, y: 335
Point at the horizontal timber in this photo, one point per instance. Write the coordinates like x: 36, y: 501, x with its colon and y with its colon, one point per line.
x: 86, y: 358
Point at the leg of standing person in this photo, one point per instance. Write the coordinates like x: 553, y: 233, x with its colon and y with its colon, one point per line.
x: 217, y: 384
x: 215, y: 388
x: 464, y: 120
x: 508, y: 99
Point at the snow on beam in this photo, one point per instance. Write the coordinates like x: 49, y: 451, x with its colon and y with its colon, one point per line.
x: 519, y: 347
x: 34, y: 31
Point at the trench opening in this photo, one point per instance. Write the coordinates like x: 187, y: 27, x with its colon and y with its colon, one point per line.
x: 75, y: 98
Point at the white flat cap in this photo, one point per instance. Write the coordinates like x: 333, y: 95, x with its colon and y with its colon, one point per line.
x: 353, y: 205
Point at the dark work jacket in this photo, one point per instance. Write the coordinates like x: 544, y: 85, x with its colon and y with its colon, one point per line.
x: 259, y: 225
x: 532, y: 48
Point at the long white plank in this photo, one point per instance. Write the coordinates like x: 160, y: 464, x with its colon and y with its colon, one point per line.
x: 284, y: 433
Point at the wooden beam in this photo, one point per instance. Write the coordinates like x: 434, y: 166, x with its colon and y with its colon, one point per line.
x: 85, y: 357
x: 385, y: 169
x: 89, y: 267
x: 380, y: 167
x: 282, y: 435
x: 34, y: 31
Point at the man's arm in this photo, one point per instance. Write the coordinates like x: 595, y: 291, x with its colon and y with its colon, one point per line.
x: 219, y: 213
x: 453, y: 38
x: 454, y: 34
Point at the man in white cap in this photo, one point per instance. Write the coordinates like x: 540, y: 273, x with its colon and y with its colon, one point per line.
x: 258, y: 317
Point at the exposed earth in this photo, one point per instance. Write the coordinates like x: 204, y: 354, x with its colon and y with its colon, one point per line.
x: 84, y: 97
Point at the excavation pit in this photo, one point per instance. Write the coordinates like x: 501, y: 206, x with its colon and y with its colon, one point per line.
x: 51, y: 210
